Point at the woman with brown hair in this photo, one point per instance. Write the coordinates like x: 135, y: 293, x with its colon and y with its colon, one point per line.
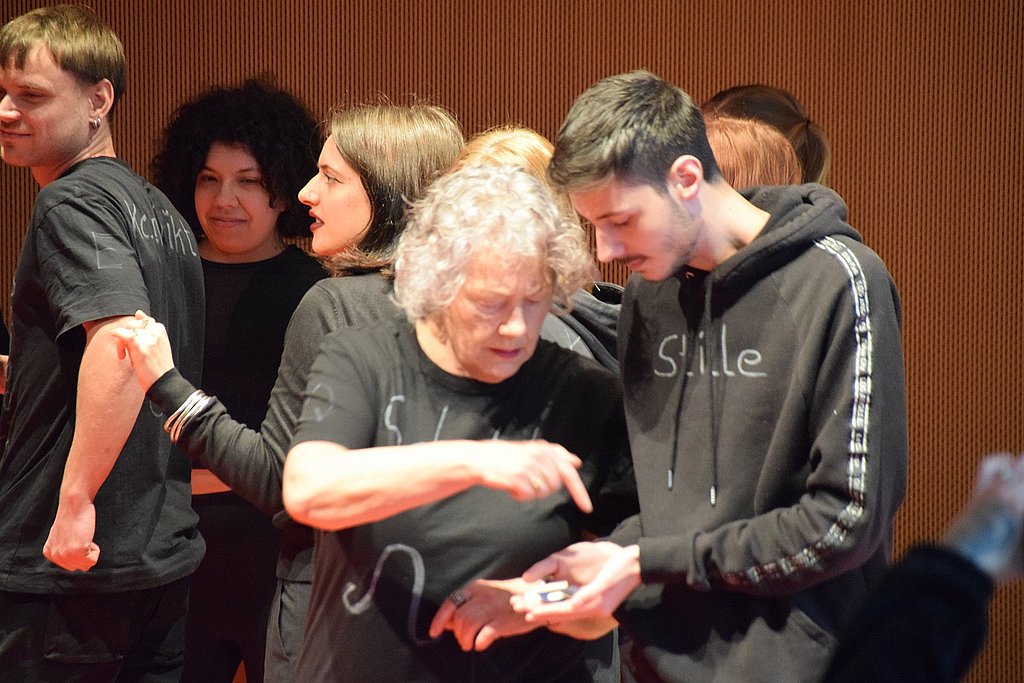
x: 375, y: 158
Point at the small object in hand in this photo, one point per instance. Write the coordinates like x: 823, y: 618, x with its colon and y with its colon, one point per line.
x: 458, y: 598
x: 550, y: 591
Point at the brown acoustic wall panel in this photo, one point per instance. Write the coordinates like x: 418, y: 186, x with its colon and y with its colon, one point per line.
x: 921, y: 99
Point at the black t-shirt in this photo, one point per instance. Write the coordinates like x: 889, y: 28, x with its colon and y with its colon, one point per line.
x: 376, y: 587
x: 102, y: 242
x: 248, y: 306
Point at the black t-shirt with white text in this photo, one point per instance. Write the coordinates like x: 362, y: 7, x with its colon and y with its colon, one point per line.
x: 376, y: 587
x: 102, y: 242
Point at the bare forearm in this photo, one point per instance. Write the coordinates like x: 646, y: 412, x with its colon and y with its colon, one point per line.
x: 107, y: 405
x: 329, y: 487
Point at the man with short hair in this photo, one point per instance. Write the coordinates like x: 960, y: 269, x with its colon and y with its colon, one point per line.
x: 764, y: 391
x: 97, y: 535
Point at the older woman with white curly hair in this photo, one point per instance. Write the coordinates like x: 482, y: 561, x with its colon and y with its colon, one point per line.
x: 441, y: 452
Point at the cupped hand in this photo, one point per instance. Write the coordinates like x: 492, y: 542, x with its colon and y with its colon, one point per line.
x: 484, y: 614
x: 605, y: 572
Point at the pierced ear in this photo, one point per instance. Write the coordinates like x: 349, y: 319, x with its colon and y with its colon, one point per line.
x: 101, y: 98
x: 685, y: 176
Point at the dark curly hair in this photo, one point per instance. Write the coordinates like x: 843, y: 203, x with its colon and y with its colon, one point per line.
x: 271, y: 124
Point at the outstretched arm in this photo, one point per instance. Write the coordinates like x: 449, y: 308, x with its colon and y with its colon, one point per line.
x: 988, y: 531
x: 328, y: 486
x: 249, y: 461
x: 107, y: 406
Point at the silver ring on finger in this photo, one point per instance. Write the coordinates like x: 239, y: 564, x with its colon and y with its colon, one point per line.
x: 458, y: 598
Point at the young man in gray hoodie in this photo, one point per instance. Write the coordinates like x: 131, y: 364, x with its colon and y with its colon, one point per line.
x: 764, y: 392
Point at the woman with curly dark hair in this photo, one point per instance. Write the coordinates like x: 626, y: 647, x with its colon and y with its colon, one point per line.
x: 232, y: 162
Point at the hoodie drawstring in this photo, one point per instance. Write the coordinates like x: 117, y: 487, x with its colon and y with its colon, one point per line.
x: 691, y: 342
x: 712, y: 423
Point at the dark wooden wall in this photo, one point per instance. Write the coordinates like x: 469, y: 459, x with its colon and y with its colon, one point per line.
x: 922, y: 101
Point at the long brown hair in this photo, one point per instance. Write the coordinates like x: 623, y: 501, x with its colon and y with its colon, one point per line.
x: 397, y: 151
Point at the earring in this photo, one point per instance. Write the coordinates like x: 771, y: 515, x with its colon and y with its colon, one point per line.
x: 94, y: 124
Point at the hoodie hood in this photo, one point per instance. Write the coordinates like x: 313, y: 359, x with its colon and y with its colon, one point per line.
x: 800, y: 215
x: 595, y: 318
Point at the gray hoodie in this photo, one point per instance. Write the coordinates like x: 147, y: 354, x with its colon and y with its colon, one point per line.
x: 766, y: 410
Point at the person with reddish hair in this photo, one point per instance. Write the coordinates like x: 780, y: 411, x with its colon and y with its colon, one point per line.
x: 589, y: 328
x: 750, y: 152
x: 781, y: 110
